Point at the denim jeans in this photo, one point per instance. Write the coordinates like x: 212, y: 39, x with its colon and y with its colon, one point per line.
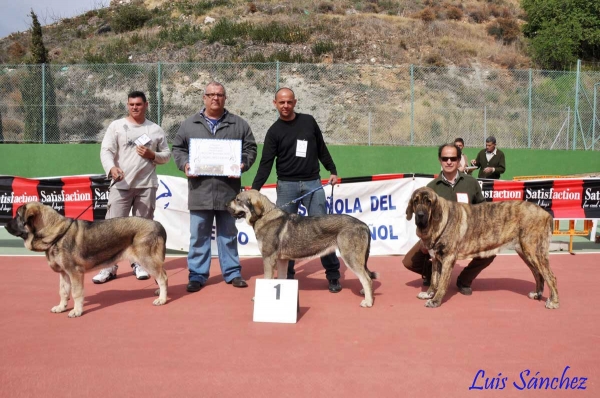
x: 199, y: 255
x: 315, y: 206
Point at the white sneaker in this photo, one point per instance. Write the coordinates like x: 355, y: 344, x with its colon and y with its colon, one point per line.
x: 106, y: 274
x: 139, y: 272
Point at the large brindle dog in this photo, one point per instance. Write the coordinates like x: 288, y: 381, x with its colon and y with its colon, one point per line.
x: 282, y: 236
x: 74, y: 246
x: 452, y: 231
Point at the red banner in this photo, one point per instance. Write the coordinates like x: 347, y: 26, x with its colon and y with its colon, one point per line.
x: 84, y: 197
x: 564, y: 198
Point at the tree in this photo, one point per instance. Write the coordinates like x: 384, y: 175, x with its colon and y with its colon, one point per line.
x: 562, y: 31
x: 31, y: 91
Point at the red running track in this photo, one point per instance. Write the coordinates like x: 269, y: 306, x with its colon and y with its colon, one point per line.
x: 205, y: 344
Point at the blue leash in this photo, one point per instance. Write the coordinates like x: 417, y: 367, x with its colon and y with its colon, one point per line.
x: 306, y: 194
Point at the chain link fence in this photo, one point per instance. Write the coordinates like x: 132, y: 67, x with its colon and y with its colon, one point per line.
x: 354, y: 104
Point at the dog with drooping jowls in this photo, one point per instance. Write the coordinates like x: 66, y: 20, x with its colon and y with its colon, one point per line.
x: 452, y: 231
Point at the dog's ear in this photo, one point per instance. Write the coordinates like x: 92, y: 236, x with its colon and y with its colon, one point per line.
x: 436, y: 207
x: 255, y: 207
x: 250, y: 207
x: 409, y: 208
x: 29, y: 216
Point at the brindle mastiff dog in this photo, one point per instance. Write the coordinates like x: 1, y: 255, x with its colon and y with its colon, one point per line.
x: 451, y: 231
x: 74, y: 246
x: 282, y: 236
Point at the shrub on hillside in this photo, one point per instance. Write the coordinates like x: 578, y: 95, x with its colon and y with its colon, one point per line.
x: 130, y: 17
x: 454, y: 13
x: 427, y: 14
x: 434, y: 59
x: 479, y: 15
x: 505, y: 29
x: 323, y: 47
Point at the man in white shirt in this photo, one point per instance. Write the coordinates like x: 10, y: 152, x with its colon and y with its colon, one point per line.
x: 130, y: 151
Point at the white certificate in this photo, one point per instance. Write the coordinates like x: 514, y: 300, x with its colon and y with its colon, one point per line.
x: 214, y: 157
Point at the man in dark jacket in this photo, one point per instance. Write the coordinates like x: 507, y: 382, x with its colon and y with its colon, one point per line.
x: 295, y: 139
x: 208, y: 195
x: 490, y: 160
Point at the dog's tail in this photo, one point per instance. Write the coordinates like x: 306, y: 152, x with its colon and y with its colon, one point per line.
x: 372, y: 275
x: 163, y: 235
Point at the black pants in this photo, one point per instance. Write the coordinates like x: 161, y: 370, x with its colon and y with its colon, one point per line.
x: 417, y: 261
x: 315, y: 206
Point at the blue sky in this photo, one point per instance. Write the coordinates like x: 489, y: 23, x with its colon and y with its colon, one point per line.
x: 14, y: 15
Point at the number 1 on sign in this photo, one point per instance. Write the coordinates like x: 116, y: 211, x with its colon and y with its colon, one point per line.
x: 280, y: 305
x: 278, y: 294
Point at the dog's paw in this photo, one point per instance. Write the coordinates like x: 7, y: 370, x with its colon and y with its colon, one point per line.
x: 432, y: 304
x: 425, y: 295
x: 551, y: 305
x: 366, y: 303
x: 535, y: 295
x: 159, y: 301
x: 58, y: 308
x: 74, y: 313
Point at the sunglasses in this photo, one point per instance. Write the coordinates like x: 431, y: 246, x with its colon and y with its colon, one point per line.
x: 213, y: 95
x: 447, y: 158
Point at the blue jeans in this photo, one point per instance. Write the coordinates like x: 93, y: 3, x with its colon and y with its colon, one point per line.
x: 315, y: 206
x: 199, y: 255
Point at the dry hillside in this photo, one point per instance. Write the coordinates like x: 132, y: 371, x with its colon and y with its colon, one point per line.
x: 471, y: 33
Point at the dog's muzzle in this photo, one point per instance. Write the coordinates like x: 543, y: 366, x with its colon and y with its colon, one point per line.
x: 421, y: 219
x: 12, y: 228
x: 234, y: 212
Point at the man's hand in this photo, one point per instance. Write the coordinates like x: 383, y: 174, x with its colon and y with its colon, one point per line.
x: 117, y: 174
x: 488, y: 170
x: 241, y: 169
x: 473, y: 162
x: 333, y: 179
x: 187, y: 170
x: 145, y: 152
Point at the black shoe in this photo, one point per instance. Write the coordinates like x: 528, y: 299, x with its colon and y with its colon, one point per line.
x: 462, y: 289
x: 334, y: 286
x: 194, y: 286
x: 238, y: 282
x: 426, y: 281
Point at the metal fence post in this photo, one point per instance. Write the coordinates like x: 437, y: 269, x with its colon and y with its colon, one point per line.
x: 484, y: 123
x: 568, y: 126
x: 594, y: 117
x: 277, y: 75
x: 576, y: 110
x: 369, y: 128
x: 412, y: 105
x: 529, y: 116
x: 158, y: 95
x: 43, y: 103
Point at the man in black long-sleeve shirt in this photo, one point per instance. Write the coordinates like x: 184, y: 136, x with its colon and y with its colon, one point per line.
x: 295, y: 139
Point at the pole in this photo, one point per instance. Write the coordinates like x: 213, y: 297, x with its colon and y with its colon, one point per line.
x: 529, y: 121
x: 43, y: 103
x: 412, y: 105
x: 277, y: 76
x: 576, y: 110
x: 369, y: 128
x: 158, y: 94
x: 594, y: 117
x: 484, y: 123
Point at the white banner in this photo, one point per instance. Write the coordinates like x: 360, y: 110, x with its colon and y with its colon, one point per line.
x: 381, y: 204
